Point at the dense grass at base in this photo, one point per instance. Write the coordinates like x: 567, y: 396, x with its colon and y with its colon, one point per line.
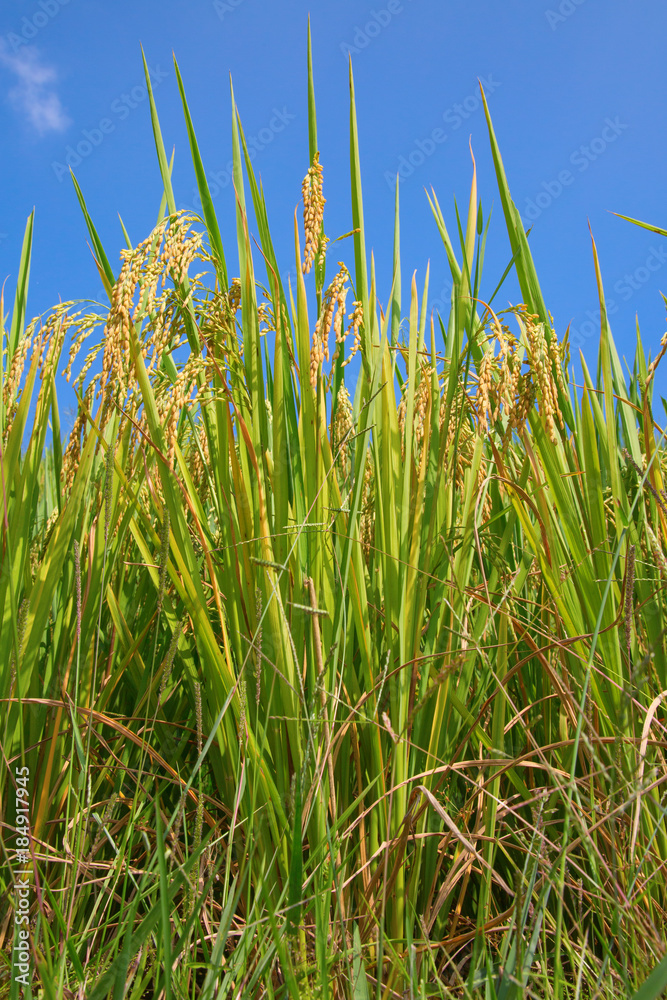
x: 330, y: 687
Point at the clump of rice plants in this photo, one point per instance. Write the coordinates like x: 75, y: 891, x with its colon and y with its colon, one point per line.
x: 332, y: 681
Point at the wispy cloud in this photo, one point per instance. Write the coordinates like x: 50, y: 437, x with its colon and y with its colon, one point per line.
x: 34, y: 95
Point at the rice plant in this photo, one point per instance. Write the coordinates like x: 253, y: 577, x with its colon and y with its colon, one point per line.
x: 332, y: 681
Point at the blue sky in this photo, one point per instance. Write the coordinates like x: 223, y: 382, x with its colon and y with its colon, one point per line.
x: 576, y: 91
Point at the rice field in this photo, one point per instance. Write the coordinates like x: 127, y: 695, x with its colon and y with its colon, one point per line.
x: 331, y: 680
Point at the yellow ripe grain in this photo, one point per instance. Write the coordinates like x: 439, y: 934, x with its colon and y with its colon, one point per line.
x: 333, y: 297
x: 343, y: 425
x: 484, y: 385
x: 313, y: 213
x: 422, y: 399
x: 356, y: 318
x: 542, y: 365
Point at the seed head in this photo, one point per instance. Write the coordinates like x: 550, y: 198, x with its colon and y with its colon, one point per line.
x: 343, y: 426
x: 199, y: 462
x: 484, y: 384
x: 234, y: 295
x: 356, y: 319
x: 422, y: 400
x: 542, y: 365
x: 334, y: 305
x: 313, y: 213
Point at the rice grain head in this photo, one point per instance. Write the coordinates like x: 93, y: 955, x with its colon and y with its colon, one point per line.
x: 422, y: 400
x: 72, y: 453
x: 313, y: 213
x: 484, y: 384
x: 356, y: 318
x: 542, y: 365
x: 234, y: 295
x: 334, y: 303
x: 199, y: 460
x: 343, y: 426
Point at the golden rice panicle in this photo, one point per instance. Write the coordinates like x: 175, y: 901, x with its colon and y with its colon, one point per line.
x: 462, y: 454
x: 542, y: 368
x: 10, y: 389
x: 265, y: 316
x: 339, y: 317
x: 316, y: 355
x: 234, y: 295
x: 524, y: 401
x: 460, y: 443
x: 402, y: 414
x: 135, y: 298
x: 313, y: 213
x: 506, y: 343
x: 52, y: 337
x: 83, y: 327
x: 343, y: 427
x: 422, y: 401
x: 172, y: 401
x: 334, y: 301
x: 356, y: 318
x: 500, y: 384
x: 199, y: 461
x: 164, y: 313
x: 510, y: 375
x: 179, y: 248
x: 117, y: 355
x: 456, y: 401
x: 72, y: 453
x: 160, y: 330
x: 559, y: 356
x: 484, y: 386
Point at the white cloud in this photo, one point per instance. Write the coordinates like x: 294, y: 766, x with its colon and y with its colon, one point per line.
x: 34, y: 95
